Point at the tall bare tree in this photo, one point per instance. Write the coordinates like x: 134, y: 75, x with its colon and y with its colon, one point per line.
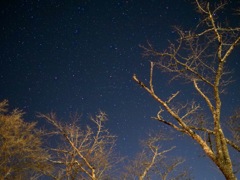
x: 21, y: 152
x: 153, y: 163
x: 199, y: 57
x: 82, y: 153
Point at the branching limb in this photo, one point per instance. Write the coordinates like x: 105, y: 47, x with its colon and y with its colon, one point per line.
x: 156, y: 153
x: 172, y: 97
x: 208, y: 101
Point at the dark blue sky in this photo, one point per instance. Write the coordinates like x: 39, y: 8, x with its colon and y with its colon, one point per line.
x: 68, y: 56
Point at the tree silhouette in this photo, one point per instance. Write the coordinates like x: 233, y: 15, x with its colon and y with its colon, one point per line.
x: 152, y: 162
x: 82, y: 153
x: 21, y: 152
x: 199, y: 57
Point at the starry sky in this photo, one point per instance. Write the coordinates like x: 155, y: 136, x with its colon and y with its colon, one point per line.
x: 79, y: 56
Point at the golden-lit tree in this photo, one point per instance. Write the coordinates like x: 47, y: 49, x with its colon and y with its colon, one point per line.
x: 152, y: 162
x: 82, y: 153
x: 21, y: 152
x: 199, y: 57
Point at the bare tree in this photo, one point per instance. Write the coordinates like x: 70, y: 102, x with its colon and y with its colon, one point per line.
x: 83, y: 153
x: 21, y: 152
x: 152, y: 163
x: 199, y: 57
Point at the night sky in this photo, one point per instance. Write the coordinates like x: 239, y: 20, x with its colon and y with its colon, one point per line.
x: 79, y: 56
